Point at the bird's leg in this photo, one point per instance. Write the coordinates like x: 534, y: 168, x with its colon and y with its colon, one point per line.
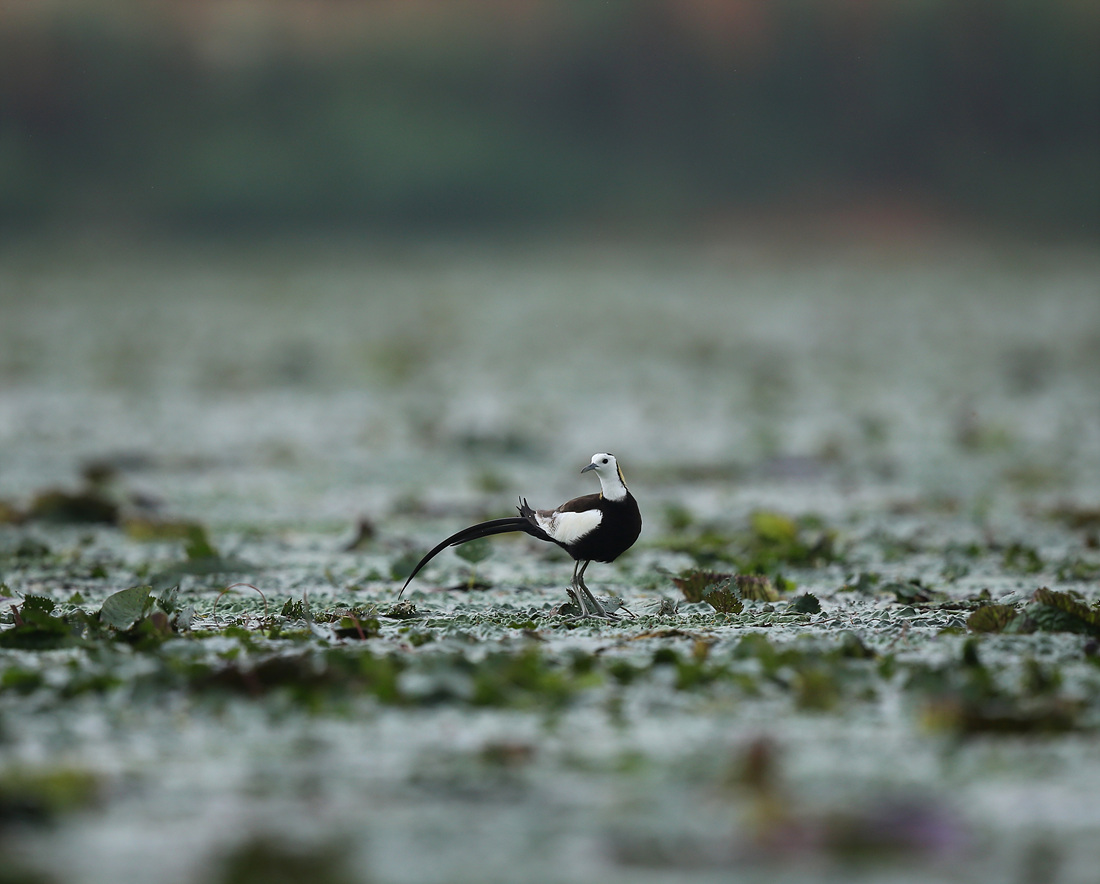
x: 597, y: 609
x: 587, y: 604
x: 576, y: 593
x: 572, y: 591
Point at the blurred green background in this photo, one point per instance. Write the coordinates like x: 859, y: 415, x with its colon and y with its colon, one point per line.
x: 691, y: 116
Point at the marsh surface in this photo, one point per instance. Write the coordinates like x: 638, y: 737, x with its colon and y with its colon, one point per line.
x: 908, y: 435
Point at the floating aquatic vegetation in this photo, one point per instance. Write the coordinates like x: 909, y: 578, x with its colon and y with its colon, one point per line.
x: 694, y: 583
x: 475, y: 551
x: 278, y: 721
x: 807, y: 603
x: 38, y: 628
x: 141, y: 618
x: 1048, y: 611
x: 123, y: 609
x: 779, y: 540
x: 775, y: 825
x: 816, y: 688
x: 1022, y: 559
x: 201, y: 558
x: 714, y: 588
x: 851, y: 645
x: 85, y: 507
x: 913, y: 592
x: 991, y: 618
x: 771, y: 541
x: 1079, y: 518
x: 724, y: 598
x: 132, y: 615
x: 1077, y: 569
x: 968, y: 699
x: 756, y: 587
x: 148, y: 529
x: 1063, y: 612
x: 678, y: 518
x: 403, y: 566
x: 1006, y: 716
x: 271, y: 859
x: 351, y: 626
x: 38, y: 795
x: 403, y: 610
x: 296, y: 609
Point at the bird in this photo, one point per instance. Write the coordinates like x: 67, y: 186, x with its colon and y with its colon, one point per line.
x: 592, y: 528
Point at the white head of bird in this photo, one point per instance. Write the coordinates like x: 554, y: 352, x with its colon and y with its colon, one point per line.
x: 611, y: 477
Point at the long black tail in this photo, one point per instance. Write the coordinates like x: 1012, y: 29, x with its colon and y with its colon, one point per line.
x: 484, y: 529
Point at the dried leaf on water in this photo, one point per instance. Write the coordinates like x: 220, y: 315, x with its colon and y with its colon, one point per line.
x: 694, y: 583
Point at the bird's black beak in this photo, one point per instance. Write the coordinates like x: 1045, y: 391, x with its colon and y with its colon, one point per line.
x: 591, y: 466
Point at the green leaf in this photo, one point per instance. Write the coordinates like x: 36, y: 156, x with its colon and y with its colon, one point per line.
x: 353, y: 627
x: 475, y: 551
x: 403, y: 566
x: 37, y: 609
x: 198, y: 545
x: 167, y: 600
x: 1061, y: 612
x: 912, y: 592
x: 1024, y: 559
x: 724, y: 598
x: 773, y: 528
x: 123, y: 609
x: 806, y: 603
x: 296, y: 609
x: 991, y: 618
x: 39, y: 629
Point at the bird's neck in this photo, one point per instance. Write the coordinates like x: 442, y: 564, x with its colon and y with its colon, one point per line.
x: 613, y: 487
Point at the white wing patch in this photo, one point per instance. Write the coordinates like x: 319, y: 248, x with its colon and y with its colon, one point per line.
x: 569, y: 527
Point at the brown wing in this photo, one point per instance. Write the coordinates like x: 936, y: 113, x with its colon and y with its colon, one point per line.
x: 577, y: 505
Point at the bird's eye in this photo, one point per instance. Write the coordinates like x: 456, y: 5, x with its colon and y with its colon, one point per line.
x: 604, y: 460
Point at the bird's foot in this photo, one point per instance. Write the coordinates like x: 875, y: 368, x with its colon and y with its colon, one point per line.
x: 607, y: 606
x: 586, y: 605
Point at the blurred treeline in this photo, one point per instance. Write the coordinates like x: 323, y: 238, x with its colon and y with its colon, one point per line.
x: 200, y: 115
